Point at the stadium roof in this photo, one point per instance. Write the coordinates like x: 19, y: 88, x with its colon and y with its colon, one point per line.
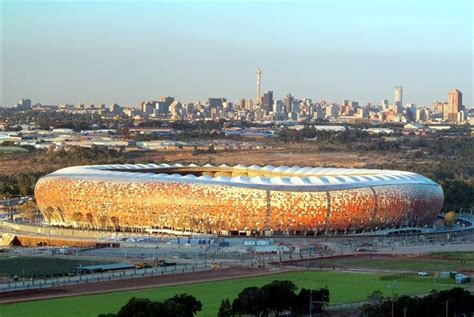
x: 263, y: 177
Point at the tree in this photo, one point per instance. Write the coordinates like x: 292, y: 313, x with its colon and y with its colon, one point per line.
x: 188, y: 304
x: 375, y: 298
x: 182, y: 305
x: 450, y: 218
x: 28, y: 210
x: 318, y: 298
x: 460, y: 302
x: 249, y: 301
x: 142, y: 307
x: 225, y: 310
x: 279, y: 296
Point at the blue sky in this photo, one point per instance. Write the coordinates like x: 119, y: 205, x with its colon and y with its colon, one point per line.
x: 127, y: 52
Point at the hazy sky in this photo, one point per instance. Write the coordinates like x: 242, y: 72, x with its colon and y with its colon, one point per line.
x: 124, y: 52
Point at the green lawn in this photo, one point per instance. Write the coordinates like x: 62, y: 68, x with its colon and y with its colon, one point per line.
x: 449, y: 262
x: 39, y: 265
x: 344, y: 287
x: 12, y: 149
x: 461, y: 255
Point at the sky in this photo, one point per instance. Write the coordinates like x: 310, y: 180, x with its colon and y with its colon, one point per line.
x: 127, y: 52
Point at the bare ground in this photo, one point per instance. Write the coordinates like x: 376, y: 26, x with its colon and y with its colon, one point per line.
x: 133, y: 284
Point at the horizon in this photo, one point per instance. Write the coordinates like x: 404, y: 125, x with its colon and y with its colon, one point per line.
x: 340, y: 50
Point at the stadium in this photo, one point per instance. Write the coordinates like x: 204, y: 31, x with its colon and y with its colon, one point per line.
x: 236, y: 200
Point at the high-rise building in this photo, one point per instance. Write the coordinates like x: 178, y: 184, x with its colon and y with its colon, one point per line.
x: 163, y: 106
x: 115, y: 109
x: 278, y: 106
x: 259, y: 82
x: 249, y: 105
x: 438, y: 106
x: 216, y: 102
x: 398, y: 99
x: 422, y: 115
x: 24, y: 104
x: 148, y: 107
x: 288, y: 101
x: 242, y: 103
x: 267, y: 100
x: 454, y: 106
x: 332, y: 111
x: 384, y: 104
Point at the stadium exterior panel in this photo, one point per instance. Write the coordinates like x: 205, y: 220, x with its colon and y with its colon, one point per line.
x: 235, y: 199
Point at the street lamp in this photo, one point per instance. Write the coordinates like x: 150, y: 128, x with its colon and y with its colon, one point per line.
x: 393, y: 287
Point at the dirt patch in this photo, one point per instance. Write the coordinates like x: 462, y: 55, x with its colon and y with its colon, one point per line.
x: 133, y: 284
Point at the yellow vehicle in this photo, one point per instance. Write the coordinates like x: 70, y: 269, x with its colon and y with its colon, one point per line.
x: 142, y: 265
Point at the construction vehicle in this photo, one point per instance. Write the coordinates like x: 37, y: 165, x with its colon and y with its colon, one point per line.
x: 142, y: 265
x: 163, y: 262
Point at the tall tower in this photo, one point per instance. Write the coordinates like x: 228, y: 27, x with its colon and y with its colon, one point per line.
x: 398, y: 99
x: 259, y: 81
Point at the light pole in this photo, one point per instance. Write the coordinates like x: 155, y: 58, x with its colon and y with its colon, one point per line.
x: 405, y: 312
x: 393, y: 287
x: 447, y: 309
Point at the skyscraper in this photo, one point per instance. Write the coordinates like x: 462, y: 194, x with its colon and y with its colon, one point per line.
x: 398, y: 99
x: 288, y: 101
x: 267, y: 101
x: 259, y: 82
x: 454, y: 105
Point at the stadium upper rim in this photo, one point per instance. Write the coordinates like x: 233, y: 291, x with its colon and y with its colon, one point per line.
x: 283, y: 178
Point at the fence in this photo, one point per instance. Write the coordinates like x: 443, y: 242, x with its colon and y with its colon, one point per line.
x: 102, y: 277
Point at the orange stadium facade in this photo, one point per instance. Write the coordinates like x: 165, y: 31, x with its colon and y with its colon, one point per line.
x: 236, y: 199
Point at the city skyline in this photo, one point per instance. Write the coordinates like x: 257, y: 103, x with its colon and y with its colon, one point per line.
x: 55, y: 53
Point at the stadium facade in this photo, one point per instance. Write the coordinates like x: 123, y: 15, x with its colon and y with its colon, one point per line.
x: 237, y: 199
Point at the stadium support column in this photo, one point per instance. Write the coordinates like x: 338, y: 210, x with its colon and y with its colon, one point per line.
x: 267, y: 213
x: 376, y: 206
x: 328, y: 210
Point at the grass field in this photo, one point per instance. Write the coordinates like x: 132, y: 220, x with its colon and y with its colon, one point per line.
x: 12, y: 149
x: 39, y: 265
x: 344, y: 288
x: 466, y: 256
x: 446, y: 262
